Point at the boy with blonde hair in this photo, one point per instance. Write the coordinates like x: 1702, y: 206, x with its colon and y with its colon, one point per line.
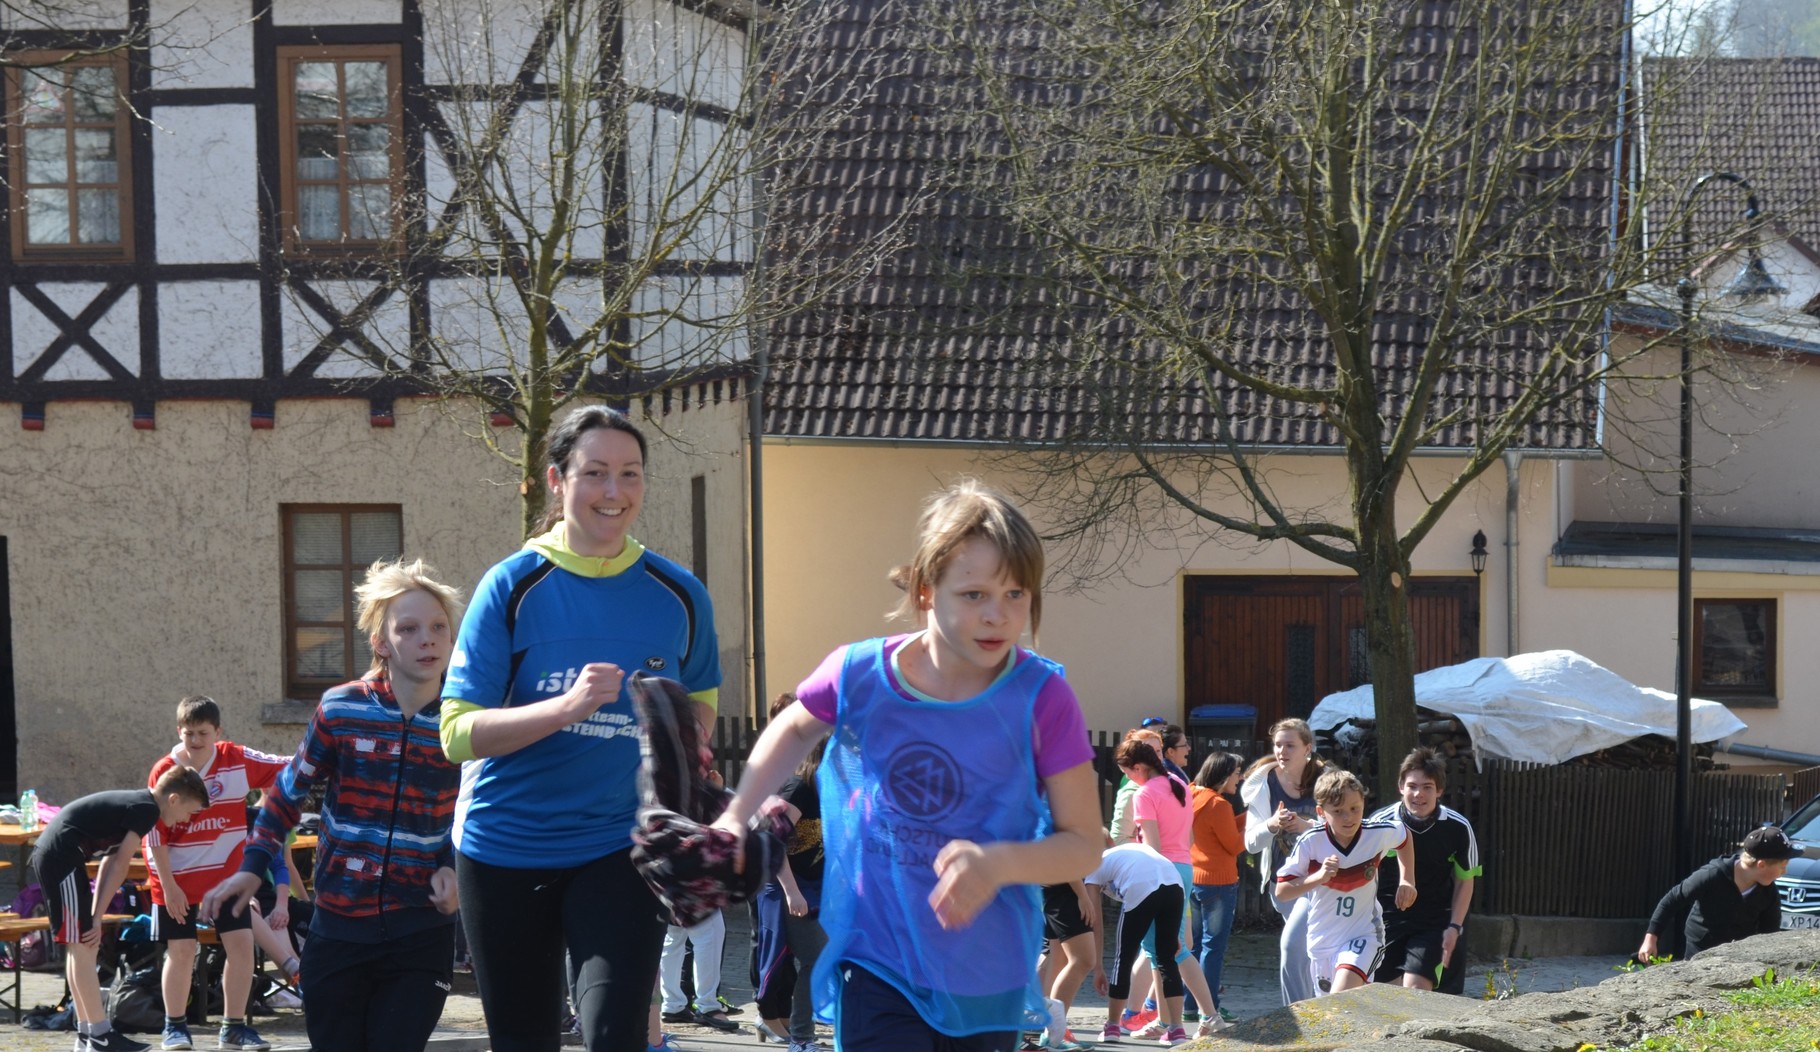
x: 196, y: 855
x: 108, y: 825
x: 1337, y: 864
x: 380, y: 955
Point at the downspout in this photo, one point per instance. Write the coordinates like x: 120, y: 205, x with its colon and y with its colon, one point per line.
x: 1763, y: 753
x: 755, y: 438
x: 755, y: 481
x: 1513, y: 461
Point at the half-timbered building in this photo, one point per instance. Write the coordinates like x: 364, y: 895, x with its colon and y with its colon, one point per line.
x: 217, y: 328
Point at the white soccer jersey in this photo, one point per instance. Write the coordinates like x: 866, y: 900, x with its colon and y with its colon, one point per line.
x: 1346, y: 907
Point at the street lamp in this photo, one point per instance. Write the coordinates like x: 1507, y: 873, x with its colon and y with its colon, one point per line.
x: 1479, y: 552
x: 1752, y: 282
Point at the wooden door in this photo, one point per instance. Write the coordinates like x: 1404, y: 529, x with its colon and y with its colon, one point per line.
x: 1283, y: 643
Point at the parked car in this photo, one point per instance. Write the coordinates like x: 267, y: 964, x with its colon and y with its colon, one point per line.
x: 1800, y: 886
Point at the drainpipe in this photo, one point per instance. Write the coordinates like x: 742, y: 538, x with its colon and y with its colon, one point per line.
x: 1513, y: 460
x: 755, y: 428
x: 1762, y: 753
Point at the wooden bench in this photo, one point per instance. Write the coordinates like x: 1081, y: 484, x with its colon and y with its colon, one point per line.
x: 13, y: 928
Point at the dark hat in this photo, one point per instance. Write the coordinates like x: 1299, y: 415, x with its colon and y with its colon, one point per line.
x: 1769, y: 844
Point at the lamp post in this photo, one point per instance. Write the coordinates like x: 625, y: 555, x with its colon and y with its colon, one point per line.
x: 1751, y: 282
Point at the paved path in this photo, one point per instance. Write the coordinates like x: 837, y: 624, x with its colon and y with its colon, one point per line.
x: 1251, y: 989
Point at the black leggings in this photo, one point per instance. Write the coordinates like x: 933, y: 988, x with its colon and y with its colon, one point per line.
x: 518, y: 921
x: 377, y: 997
x: 1163, y: 908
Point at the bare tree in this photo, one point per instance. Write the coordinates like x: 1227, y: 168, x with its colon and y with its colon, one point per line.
x: 592, y: 206
x: 1388, y: 228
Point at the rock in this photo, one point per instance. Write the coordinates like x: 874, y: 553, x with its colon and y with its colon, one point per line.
x: 1487, y: 1035
x: 1618, y: 1011
x: 1367, y: 1014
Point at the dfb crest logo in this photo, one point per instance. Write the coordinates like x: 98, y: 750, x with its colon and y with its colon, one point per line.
x: 924, y: 781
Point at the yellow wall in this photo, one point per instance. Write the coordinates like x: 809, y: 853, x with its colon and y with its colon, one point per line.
x: 837, y: 517
x: 145, y: 565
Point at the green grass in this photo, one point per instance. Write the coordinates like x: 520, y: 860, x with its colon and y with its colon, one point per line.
x: 1774, y: 1015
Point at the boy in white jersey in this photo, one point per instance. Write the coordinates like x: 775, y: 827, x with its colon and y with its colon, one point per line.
x: 1337, y: 863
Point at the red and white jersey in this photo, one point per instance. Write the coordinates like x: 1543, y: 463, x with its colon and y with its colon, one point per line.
x: 1346, y: 907
x: 206, y: 850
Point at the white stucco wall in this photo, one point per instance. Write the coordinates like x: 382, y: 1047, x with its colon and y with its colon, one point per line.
x: 205, y: 184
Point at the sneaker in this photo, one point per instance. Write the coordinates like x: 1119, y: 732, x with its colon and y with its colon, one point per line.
x: 1189, y: 1015
x: 1112, y: 1034
x: 115, y: 1041
x: 1062, y: 1043
x: 240, y: 1035
x: 1131, y: 1022
x: 686, y: 1015
x: 282, y: 998
x: 725, y: 1005
x: 1174, y: 1035
x: 176, y: 1035
x: 1210, y: 1027
x: 1226, y: 1013
x: 81, y: 1043
x: 1154, y: 1031
x: 716, y: 1019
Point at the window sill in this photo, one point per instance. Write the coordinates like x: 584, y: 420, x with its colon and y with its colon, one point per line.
x: 285, y: 713
x: 1742, y: 701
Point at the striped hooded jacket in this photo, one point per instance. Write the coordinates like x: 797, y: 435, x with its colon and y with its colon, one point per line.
x: 388, y: 806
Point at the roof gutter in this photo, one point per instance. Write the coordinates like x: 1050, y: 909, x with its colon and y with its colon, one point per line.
x: 1256, y: 449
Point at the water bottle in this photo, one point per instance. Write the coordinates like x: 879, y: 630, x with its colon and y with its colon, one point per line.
x: 28, y: 810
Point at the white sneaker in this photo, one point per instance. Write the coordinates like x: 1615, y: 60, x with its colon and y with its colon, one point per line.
x: 1153, y: 1032
x: 1211, y: 1026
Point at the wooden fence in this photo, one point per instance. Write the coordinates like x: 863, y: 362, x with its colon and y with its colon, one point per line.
x: 1803, y: 786
x: 1570, y: 841
x: 1563, y: 841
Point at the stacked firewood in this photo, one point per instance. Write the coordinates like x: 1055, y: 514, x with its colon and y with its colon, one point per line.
x: 1357, y: 750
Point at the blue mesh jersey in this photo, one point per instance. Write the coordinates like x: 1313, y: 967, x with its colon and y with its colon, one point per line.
x: 571, y: 797
x: 900, y: 780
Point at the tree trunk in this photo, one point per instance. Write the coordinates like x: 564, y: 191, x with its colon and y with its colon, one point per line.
x: 1390, y: 643
x: 532, y: 492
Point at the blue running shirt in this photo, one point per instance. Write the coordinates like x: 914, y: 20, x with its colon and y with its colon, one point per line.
x: 573, y: 796
x: 900, y: 780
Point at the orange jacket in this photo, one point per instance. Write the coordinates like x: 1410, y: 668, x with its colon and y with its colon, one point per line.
x: 1219, y: 839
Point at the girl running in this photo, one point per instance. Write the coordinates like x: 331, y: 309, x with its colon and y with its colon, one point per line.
x: 942, y: 742
x: 1278, y: 792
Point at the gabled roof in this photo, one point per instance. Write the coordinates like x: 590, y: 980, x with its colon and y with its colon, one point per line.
x: 1769, y: 112
x: 913, y: 357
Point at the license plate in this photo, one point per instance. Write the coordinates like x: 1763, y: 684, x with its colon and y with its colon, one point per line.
x: 1800, y: 920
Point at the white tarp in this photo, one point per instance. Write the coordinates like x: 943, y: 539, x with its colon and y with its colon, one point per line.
x: 1544, y: 707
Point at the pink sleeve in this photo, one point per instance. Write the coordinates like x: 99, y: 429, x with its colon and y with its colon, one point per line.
x: 1059, y: 732
x: 820, y: 693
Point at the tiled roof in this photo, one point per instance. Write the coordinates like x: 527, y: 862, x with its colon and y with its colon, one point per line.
x: 1768, y: 111
x: 915, y: 356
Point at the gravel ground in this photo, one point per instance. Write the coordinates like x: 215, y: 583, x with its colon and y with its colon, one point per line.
x: 1250, y: 990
